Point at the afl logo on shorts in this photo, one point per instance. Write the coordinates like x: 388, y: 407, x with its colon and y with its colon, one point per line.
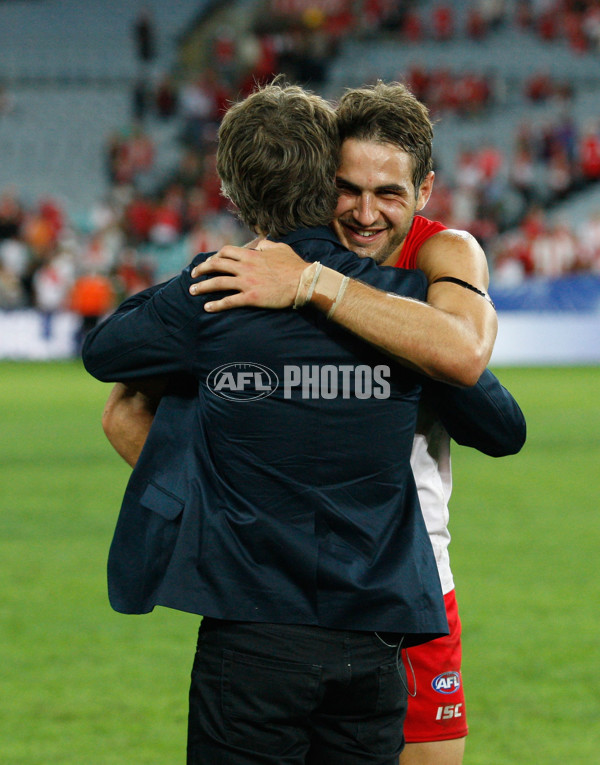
x: 447, y: 682
x: 242, y: 381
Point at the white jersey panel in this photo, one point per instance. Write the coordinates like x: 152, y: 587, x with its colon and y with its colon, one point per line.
x: 430, y: 461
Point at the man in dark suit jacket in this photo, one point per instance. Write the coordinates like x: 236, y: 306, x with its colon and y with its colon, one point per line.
x: 305, y: 551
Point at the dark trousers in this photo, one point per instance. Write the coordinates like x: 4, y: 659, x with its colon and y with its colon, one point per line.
x: 269, y: 694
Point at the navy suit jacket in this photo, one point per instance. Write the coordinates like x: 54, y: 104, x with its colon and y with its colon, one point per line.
x: 485, y: 417
x: 288, y: 498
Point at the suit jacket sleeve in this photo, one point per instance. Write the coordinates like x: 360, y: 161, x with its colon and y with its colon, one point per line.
x: 485, y: 417
x: 139, y: 298
x: 151, y: 333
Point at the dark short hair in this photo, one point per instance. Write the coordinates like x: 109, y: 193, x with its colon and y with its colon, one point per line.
x: 277, y: 157
x: 389, y: 113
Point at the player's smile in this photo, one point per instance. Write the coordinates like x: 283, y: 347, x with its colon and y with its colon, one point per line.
x: 365, y: 242
x: 364, y: 236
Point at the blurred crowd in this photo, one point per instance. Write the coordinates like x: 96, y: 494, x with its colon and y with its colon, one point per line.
x: 545, y: 246
x: 576, y: 22
x: 489, y: 191
x: 145, y: 229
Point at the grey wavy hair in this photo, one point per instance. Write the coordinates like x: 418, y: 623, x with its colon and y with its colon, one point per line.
x: 277, y: 157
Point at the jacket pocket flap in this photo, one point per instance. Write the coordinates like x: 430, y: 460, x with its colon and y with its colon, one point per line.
x: 162, y: 502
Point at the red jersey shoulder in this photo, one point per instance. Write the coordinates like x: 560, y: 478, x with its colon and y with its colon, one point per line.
x: 420, y: 230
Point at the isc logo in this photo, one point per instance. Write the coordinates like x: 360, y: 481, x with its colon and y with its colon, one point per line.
x: 449, y: 712
x: 447, y: 682
x: 242, y: 381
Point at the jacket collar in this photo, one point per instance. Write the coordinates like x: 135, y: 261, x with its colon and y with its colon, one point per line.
x: 301, y: 234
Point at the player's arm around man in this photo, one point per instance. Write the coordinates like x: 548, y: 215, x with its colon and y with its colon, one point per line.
x: 450, y: 337
x: 128, y: 414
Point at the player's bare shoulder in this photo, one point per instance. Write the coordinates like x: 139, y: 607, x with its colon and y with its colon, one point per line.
x: 455, y: 253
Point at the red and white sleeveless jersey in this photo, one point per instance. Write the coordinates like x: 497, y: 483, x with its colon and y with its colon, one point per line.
x: 430, y: 458
x: 420, y: 231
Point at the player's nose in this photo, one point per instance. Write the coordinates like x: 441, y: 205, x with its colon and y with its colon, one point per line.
x: 365, y: 211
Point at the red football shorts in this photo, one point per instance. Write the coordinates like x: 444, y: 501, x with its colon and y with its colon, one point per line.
x: 437, y: 712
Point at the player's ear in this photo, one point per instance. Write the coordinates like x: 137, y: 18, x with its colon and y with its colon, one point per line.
x: 425, y: 190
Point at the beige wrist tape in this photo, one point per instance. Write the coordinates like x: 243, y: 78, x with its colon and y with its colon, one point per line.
x: 340, y: 294
x: 306, y: 285
x: 324, y: 286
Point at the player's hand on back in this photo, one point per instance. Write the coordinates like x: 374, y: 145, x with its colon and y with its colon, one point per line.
x: 265, y: 275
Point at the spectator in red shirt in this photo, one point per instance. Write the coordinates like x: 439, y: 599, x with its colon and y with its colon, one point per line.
x: 443, y: 21
x: 589, y: 154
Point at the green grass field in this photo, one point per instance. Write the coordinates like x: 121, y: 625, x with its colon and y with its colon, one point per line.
x: 82, y: 685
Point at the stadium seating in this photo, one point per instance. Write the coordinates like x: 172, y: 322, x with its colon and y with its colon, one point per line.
x: 69, y: 68
x: 72, y: 40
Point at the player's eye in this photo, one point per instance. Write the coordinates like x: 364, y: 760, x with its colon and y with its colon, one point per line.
x: 391, y: 194
x: 345, y: 188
